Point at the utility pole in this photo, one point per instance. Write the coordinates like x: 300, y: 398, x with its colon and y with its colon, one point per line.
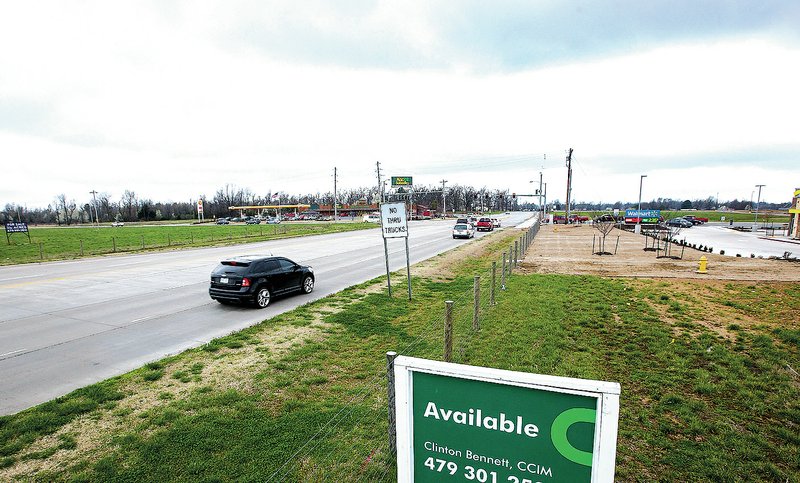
x: 94, y: 197
x: 541, y: 207
x: 569, y: 181
x: 380, y: 186
x: 545, y: 200
x: 335, y: 197
x: 444, y: 200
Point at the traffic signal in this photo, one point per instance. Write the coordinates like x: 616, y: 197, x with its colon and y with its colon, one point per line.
x: 514, y: 195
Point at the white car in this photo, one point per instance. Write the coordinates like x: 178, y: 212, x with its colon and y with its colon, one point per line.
x: 372, y: 218
x: 463, y: 230
x: 496, y: 222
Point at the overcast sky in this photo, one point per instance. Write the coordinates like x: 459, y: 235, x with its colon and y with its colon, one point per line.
x: 173, y: 100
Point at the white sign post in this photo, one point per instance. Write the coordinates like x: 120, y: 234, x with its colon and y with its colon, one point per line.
x: 394, y: 224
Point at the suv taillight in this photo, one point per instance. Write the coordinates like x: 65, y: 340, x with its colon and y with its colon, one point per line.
x: 245, y: 282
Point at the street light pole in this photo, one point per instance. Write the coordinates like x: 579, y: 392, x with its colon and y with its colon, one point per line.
x: 641, y: 179
x: 755, y: 220
x: 638, y: 228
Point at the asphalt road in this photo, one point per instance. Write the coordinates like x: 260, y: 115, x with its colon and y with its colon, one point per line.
x: 65, y: 325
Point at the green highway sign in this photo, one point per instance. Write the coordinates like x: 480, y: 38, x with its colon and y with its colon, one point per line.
x: 466, y: 423
x: 402, y: 181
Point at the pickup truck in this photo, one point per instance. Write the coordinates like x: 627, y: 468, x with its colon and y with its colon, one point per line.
x: 485, y: 224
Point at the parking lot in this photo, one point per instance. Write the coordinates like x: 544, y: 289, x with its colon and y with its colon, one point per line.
x: 744, y: 243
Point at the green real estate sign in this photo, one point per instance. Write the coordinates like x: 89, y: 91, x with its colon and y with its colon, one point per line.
x: 402, y: 181
x: 464, y: 423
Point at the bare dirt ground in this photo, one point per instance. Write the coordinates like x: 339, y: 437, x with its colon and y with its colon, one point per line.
x: 568, y: 249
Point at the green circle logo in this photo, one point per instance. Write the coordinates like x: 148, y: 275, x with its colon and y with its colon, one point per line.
x: 558, y: 434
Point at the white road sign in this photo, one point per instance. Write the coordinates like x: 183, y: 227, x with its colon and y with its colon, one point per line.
x: 393, y: 220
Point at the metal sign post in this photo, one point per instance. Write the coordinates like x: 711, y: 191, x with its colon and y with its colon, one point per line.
x: 394, y: 224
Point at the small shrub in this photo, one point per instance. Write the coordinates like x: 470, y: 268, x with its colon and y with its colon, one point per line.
x: 153, y: 375
x: 722, y: 252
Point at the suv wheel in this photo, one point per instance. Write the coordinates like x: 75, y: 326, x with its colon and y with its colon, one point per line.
x: 308, y: 284
x: 262, y: 297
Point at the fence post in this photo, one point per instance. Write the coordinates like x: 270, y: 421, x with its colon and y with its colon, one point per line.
x: 448, y: 330
x: 114, y: 244
x: 41, y: 251
x: 476, y: 324
x: 191, y: 237
x: 494, y: 282
x: 510, y: 259
x: 169, y: 240
x: 81, y: 247
x: 503, y: 274
x: 142, y: 242
x: 516, y: 252
x: 390, y: 356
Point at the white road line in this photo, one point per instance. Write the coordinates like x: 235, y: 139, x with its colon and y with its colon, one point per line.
x: 12, y: 352
x: 143, y: 318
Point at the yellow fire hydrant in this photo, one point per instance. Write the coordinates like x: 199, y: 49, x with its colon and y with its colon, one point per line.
x: 703, y: 264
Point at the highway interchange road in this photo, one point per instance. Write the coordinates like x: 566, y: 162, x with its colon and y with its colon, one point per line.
x: 65, y: 325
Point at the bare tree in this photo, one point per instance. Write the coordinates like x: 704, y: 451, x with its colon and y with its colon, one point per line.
x: 604, y: 224
x: 129, y: 205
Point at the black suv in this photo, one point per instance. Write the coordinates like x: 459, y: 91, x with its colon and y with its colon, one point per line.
x: 256, y: 279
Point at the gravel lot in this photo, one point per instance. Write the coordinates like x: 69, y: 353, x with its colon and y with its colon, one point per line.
x: 568, y: 249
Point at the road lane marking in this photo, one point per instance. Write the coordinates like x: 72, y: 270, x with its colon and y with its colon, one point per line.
x: 9, y: 353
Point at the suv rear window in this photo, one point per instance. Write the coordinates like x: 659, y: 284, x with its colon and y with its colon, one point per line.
x: 237, y: 269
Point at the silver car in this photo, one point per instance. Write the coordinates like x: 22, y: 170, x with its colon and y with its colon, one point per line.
x: 463, y: 230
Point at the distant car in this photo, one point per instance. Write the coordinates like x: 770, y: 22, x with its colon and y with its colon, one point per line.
x: 605, y: 218
x: 117, y: 223
x: 680, y: 223
x: 485, y: 224
x: 559, y: 219
x: 578, y: 219
x: 463, y: 230
x: 223, y: 221
x: 496, y: 222
x: 693, y: 219
x: 256, y: 279
x: 272, y: 220
x: 252, y: 221
x: 372, y: 218
x: 471, y: 221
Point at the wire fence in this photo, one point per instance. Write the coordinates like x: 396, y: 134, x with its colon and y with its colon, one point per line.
x: 361, y: 427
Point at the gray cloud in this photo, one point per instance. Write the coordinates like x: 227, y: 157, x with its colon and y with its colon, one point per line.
x: 767, y: 157
x: 508, y: 35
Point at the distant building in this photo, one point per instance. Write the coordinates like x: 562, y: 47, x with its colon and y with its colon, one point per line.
x: 794, y: 216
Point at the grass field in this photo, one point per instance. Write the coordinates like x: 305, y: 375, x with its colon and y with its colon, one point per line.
x: 710, y: 389
x: 75, y: 242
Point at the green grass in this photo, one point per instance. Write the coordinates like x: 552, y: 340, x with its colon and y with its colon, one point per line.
x: 695, y: 406
x: 75, y: 242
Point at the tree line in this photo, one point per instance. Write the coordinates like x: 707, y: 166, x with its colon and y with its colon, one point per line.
x: 131, y: 207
